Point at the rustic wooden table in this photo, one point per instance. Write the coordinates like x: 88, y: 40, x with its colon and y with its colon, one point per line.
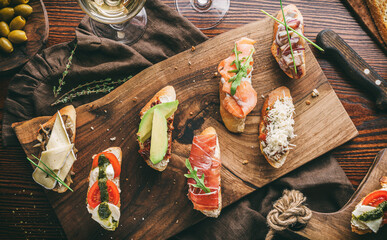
x: 24, y: 209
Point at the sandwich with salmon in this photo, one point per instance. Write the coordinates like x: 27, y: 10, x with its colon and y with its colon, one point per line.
x: 56, y: 139
x: 281, y: 45
x: 203, y: 176
x: 103, y: 194
x: 154, y: 135
x: 371, y: 212
x: 276, y: 126
x: 237, y: 95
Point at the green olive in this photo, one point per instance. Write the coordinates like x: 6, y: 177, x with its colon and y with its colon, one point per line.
x: 6, y: 14
x: 23, y: 10
x: 4, y: 29
x: 4, y: 3
x: 17, y: 23
x: 6, y: 45
x: 16, y: 2
x: 17, y: 36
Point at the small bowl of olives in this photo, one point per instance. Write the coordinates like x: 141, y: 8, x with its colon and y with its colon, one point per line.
x: 23, y: 31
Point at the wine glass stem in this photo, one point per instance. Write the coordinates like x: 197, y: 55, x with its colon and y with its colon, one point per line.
x: 201, y: 5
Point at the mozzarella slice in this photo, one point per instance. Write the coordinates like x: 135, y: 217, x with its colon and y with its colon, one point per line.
x: 56, y: 157
x: 374, y: 225
x: 95, y: 172
x: 111, y: 222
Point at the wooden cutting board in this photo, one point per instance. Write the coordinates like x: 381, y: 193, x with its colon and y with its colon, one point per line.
x: 337, y: 225
x: 155, y: 205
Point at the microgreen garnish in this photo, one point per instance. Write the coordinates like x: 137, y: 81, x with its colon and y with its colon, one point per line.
x: 241, y: 69
x: 52, y: 174
x: 57, y: 90
x: 299, y: 34
x: 287, y: 32
x: 193, y: 174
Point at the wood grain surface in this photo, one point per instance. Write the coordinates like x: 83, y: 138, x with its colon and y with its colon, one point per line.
x: 336, y: 224
x: 320, y: 127
x: 360, y: 8
x: 37, y: 33
x: 29, y: 214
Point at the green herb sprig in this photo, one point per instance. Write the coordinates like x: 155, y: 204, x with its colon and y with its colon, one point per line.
x: 97, y: 86
x: 58, y: 89
x: 287, y: 33
x: 299, y: 34
x: 241, y: 69
x: 193, y: 174
x: 52, y: 174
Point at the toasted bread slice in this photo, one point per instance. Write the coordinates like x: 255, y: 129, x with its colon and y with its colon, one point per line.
x: 378, y: 10
x: 276, y: 49
x: 271, y: 99
x: 68, y: 114
x: 167, y: 94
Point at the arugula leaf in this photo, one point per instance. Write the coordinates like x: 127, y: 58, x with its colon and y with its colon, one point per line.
x: 193, y: 174
x: 241, y: 69
x: 287, y: 32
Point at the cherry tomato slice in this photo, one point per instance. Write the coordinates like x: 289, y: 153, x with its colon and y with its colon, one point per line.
x: 94, y: 195
x: 112, y: 159
x: 375, y: 198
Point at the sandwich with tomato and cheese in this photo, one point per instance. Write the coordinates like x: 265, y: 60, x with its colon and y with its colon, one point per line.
x: 103, y: 195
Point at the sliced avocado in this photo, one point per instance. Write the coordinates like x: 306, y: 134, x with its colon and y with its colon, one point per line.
x: 159, y: 139
x: 166, y: 109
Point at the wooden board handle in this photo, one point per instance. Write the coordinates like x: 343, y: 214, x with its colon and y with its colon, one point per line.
x: 353, y: 65
x: 337, y: 225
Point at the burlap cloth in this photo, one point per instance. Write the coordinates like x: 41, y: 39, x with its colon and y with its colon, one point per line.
x: 30, y: 94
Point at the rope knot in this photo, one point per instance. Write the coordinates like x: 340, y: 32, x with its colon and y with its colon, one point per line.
x: 288, y: 211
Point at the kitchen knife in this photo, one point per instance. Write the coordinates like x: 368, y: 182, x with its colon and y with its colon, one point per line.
x: 354, y: 66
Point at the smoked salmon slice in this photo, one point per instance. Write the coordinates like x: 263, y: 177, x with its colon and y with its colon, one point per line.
x: 205, y: 159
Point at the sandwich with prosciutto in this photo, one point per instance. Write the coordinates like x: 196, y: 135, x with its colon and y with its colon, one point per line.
x: 103, y: 194
x: 281, y: 45
x: 204, y: 173
x: 155, y: 131
x: 371, y: 212
x: 237, y: 95
x: 276, y: 126
x: 56, y: 139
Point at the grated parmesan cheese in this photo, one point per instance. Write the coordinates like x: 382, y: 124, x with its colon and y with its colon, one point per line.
x: 279, y: 129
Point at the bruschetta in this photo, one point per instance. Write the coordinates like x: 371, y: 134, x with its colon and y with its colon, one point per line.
x: 281, y: 46
x: 56, y: 139
x: 103, y: 194
x: 237, y: 95
x: 276, y: 126
x: 371, y: 212
x: 155, y: 131
x: 204, y: 164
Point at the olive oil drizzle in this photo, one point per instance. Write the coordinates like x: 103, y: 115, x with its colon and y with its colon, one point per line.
x: 103, y: 210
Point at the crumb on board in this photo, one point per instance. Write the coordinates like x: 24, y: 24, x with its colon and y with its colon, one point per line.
x: 112, y: 139
x: 307, y: 102
x: 193, y: 49
x: 107, y: 130
x: 175, y: 68
x: 262, y: 96
x: 92, y: 128
x: 135, y: 99
x: 315, y: 93
x: 245, y: 162
x: 177, y: 221
x: 189, y: 62
x: 191, y: 113
x: 105, y: 111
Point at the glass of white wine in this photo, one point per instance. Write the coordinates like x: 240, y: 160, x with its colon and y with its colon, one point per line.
x: 120, y: 20
x: 204, y: 14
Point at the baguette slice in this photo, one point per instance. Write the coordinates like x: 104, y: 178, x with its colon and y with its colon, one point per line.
x: 277, y: 52
x: 118, y: 153
x: 355, y: 229
x: 278, y: 159
x: 167, y: 94
x: 68, y: 114
x: 378, y: 10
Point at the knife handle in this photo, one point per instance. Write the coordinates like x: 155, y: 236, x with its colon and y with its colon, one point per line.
x: 354, y: 66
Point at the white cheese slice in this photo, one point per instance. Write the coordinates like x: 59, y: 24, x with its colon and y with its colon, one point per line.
x: 56, y: 157
x: 67, y: 166
x: 107, y: 223
x: 43, y: 178
x: 95, y: 172
x: 58, y: 135
x: 374, y: 225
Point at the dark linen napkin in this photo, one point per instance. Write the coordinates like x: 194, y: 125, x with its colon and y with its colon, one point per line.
x: 30, y: 95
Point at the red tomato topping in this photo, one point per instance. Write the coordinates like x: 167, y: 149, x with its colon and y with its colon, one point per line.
x: 94, y: 195
x: 375, y: 198
x: 262, y: 137
x: 112, y: 159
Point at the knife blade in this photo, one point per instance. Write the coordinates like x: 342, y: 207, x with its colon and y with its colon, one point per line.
x: 354, y: 66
